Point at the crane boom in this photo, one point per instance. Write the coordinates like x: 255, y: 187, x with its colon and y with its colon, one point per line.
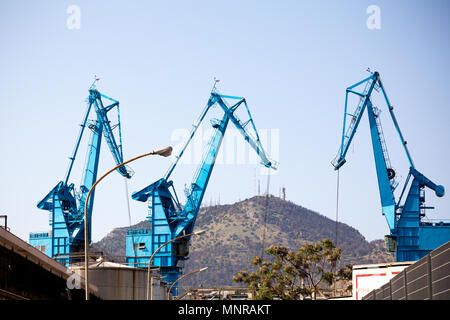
x: 201, y: 178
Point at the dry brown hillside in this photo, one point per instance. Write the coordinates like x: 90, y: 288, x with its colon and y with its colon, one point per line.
x: 234, y: 236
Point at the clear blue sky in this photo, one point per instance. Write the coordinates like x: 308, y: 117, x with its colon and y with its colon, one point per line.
x: 292, y: 60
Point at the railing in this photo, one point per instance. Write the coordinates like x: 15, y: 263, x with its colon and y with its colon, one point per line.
x: 435, y: 222
x: 138, y: 231
x: 36, y: 235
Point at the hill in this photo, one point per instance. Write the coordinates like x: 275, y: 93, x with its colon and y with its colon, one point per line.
x: 235, y: 232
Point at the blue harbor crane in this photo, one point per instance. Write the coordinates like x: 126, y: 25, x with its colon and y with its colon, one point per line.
x: 64, y: 202
x: 169, y: 218
x: 411, y: 237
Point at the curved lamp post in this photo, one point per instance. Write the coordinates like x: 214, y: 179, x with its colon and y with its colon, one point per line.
x: 184, y: 276
x: 163, y: 245
x: 164, y: 152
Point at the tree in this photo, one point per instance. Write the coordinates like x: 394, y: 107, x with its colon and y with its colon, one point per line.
x: 345, y: 274
x: 291, y: 275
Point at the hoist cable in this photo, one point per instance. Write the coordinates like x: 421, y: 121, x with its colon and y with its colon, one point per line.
x: 265, y: 214
x: 337, y: 208
x: 337, y: 219
x: 129, y: 215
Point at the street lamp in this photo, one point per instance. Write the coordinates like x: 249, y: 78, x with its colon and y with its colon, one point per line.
x: 184, y: 276
x: 196, y: 233
x: 164, y: 152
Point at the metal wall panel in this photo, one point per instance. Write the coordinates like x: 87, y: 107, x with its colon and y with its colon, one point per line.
x: 440, y: 273
x: 418, y: 281
x: 379, y: 294
x: 387, y: 291
x: 398, y: 286
x: 428, y: 278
